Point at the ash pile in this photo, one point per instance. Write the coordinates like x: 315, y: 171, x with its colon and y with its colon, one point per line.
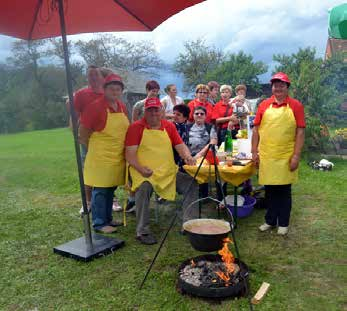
x: 210, y: 274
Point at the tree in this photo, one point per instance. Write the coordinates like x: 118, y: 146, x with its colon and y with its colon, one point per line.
x: 113, y: 52
x: 26, y: 56
x: 56, y: 50
x: 238, y: 68
x: 311, y: 83
x: 196, y: 61
x: 31, y: 93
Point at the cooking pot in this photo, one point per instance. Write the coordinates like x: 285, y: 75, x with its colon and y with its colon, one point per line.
x: 205, y: 234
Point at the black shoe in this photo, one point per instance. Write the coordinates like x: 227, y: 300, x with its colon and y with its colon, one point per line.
x: 130, y: 208
x: 147, y: 239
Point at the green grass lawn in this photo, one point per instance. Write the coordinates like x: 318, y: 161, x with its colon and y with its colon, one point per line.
x: 39, y: 204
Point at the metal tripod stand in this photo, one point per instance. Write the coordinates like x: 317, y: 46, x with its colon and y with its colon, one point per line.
x: 173, y: 220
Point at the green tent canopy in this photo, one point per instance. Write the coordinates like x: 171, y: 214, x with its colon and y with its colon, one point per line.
x: 338, y: 22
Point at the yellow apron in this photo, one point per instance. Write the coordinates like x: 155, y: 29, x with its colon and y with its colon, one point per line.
x: 155, y: 152
x: 277, y: 132
x: 105, y: 161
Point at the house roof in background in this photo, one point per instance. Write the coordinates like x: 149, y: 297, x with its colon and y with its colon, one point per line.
x: 334, y: 46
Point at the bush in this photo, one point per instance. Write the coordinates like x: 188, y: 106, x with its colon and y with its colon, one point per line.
x: 340, y: 138
x: 317, y: 136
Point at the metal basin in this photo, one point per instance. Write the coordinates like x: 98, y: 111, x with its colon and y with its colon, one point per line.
x: 206, y: 235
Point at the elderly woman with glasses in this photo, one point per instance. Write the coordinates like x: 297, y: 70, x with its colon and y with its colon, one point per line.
x: 200, y: 135
x: 201, y: 93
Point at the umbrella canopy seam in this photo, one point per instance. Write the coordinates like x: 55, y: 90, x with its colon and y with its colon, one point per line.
x: 133, y: 15
x: 38, y: 7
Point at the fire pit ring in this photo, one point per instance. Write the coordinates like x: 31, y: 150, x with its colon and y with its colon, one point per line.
x: 233, y: 290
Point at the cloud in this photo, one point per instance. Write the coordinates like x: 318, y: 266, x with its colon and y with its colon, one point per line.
x: 5, y: 47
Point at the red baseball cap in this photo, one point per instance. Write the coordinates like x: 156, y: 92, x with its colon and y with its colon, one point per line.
x: 281, y: 76
x: 153, y: 102
x: 113, y: 78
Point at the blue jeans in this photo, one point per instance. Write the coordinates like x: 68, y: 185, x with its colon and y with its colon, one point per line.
x: 102, y: 201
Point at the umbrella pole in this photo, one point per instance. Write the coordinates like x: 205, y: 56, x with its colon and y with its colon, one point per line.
x: 84, y: 248
x: 86, y: 220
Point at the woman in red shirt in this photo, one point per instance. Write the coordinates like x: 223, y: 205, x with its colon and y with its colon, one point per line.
x: 201, y: 93
x: 103, y: 129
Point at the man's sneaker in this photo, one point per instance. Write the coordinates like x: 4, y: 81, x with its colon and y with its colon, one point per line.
x: 116, y: 207
x: 264, y: 227
x: 282, y: 230
x: 147, y: 239
x: 130, y: 208
x: 159, y: 199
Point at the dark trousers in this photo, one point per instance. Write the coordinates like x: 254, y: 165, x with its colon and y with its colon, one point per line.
x: 278, y: 200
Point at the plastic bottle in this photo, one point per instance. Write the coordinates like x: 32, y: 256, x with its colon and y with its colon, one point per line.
x: 228, y: 143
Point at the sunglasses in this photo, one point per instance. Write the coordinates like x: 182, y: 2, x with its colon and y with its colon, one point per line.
x: 202, y: 92
x: 199, y: 113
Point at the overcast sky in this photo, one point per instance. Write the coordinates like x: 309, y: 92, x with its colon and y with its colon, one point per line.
x: 260, y: 28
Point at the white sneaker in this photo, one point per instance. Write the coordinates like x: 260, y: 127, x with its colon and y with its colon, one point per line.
x: 88, y: 208
x: 264, y: 227
x: 282, y: 230
x: 116, y: 207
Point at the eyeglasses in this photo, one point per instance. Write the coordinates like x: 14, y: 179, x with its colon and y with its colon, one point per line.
x: 199, y: 113
x: 202, y: 92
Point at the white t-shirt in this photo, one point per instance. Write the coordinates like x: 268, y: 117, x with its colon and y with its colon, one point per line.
x: 167, y: 102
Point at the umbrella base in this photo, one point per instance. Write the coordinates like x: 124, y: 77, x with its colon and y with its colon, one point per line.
x: 79, y: 250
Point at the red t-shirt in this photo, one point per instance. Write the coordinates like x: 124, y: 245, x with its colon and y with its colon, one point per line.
x: 84, y: 97
x: 220, y: 111
x: 95, y: 115
x: 135, y: 131
x: 195, y: 103
x: 295, y: 105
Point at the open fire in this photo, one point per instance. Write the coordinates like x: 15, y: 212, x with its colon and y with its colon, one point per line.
x: 213, y: 275
x: 228, y: 259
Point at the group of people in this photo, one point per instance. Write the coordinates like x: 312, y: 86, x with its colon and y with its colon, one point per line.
x: 149, y: 152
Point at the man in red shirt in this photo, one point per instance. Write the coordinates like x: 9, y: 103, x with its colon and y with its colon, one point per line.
x: 277, y: 140
x: 201, y: 92
x: 149, y: 142
x: 82, y: 99
x: 85, y: 96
